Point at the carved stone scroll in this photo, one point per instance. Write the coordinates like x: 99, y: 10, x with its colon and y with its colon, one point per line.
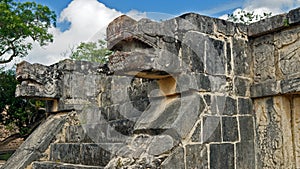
x: 296, y: 129
x: 273, y: 133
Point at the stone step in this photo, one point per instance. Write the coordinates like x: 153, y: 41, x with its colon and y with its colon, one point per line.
x: 56, y: 165
x: 83, y: 153
x: 76, y: 134
x: 100, y: 132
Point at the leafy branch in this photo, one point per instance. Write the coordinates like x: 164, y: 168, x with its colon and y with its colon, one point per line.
x: 20, y: 22
x: 247, y: 17
x: 91, y: 51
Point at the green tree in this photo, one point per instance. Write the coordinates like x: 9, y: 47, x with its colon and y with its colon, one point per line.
x: 17, y: 113
x: 91, y: 51
x: 20, y: 22
x: 245, y: 17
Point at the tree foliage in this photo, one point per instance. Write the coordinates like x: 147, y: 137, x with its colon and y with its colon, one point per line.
x: 245, y: 17
x: 91, y: 51
x: 17, y: 113
x: 20, y: 22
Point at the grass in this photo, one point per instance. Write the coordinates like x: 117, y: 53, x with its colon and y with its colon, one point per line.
x: 5, y: 156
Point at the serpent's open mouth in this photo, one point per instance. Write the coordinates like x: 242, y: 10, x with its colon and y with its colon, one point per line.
x: 36, y: 81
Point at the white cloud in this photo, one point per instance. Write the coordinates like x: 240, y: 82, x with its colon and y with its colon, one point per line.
x: 266, y: 6
x: 137, y: 15
x: 88, y: 20
x: 276, y: 6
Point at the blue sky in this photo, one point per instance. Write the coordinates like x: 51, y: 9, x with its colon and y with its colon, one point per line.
x: 214, y: 8
x: 86, y: 20
x: 174, y: 7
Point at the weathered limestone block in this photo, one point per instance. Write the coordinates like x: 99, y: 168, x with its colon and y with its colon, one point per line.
x: 293, y: 16
x: 246, y: 124
x: 175, y: 117
x: 126, y: 34
x: 160, y: 144
x: 68, y: 153
x: 104, y: 88
x: 95, y: 154
x: 289, y: 58
x: 142, y: 151
x: 51, y: 165
x: 217, y: 83
x: 196, y: 156
x: 269, y: 88
x: 114, y: 132
x: 197, y: 135
x: 221, y: 156
x: 147, y: 145
x: 114, y: 91
x: 290, y: 85
x: 76, y: 134
x: 217, y: 129
x: 276, y: 55
x: 245, y: 106
x: 121, y: 28
x: 245, y: 150
x: 133, y: 110
x: 230, y: 129
x: 217, y: 104
x: 86, y: 153
x: 193, y: 58
x: 215, y: 58
x: 227, y: 28
x: 211, y: 129
x: 175, y: 160
x: 242, y: 86
x: 204, y: 24
x: 150, y: 28
x: 264, y: 59
x: 245, y: 155
x: 186, y: 82
x: 102, y: 130
x: 196, y: 47
x: 122, y: 126
x: 195, y: 22
x: 272, y: 88
x: 242, y: 61
x: 134, y: 63
x: 286, y: 37
x: 224, y: 105
x: 268, y: 25
x: 273, y: 131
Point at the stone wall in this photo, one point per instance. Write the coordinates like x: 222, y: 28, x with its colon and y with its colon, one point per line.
x: 208, y: 113
x: 275, y: 89
x: 189, y: 92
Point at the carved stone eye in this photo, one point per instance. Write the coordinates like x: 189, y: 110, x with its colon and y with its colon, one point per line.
x: 50, y: 88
